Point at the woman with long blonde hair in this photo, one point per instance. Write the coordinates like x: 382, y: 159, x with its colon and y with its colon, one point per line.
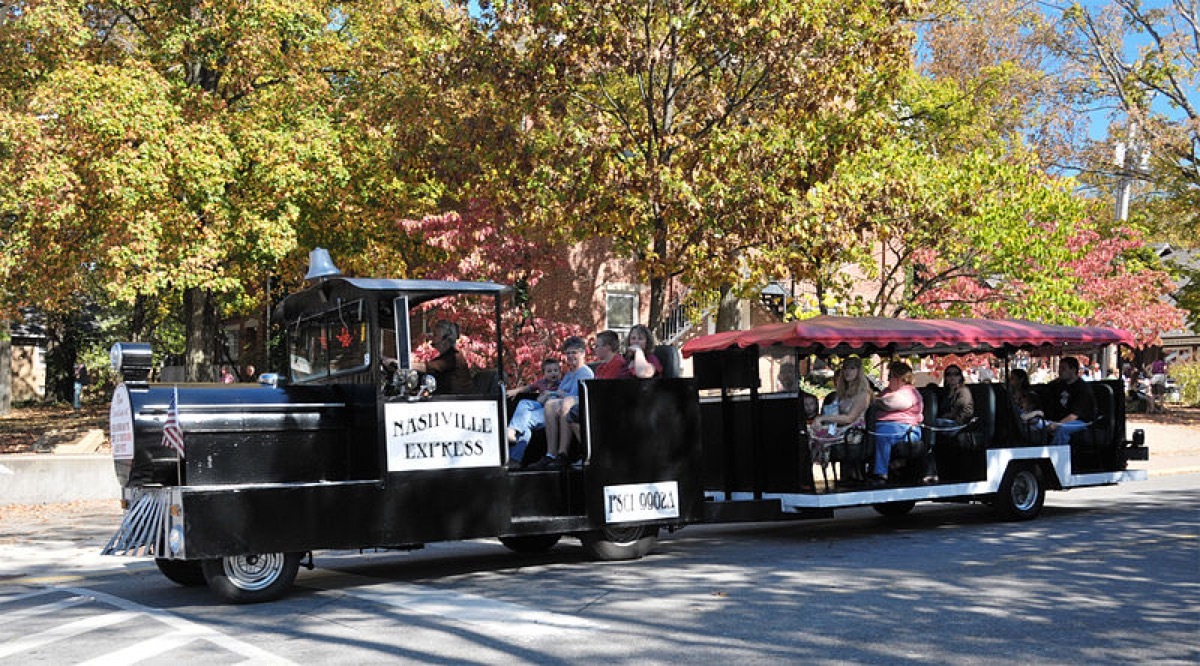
x: 853, y: 395
x: 845, y: 408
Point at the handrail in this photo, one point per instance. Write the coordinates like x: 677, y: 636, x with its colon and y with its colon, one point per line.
x: 678, y: 321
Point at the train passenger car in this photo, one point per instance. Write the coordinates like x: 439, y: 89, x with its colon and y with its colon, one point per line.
x: 759, y: 465
x: 356, y: 448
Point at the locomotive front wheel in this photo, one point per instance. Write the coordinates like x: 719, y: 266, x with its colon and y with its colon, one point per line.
x: 249, y: 579
x: 1021, y: 494
x: 188, y: 573
x: 619, y: 543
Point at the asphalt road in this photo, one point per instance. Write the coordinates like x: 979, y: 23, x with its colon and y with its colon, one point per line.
x: 1106, y: 575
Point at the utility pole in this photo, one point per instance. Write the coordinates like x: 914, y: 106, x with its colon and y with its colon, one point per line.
x: 1125, y: 152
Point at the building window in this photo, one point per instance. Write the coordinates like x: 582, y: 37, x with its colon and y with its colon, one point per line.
x: 621, y: 310
x: 233, y: 344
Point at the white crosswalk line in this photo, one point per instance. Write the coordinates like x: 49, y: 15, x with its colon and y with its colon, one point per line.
x: 252, y: 653
x: 144, y: 649
x: 177, y: 632
x: 64, y: 631
x: 33, y: 611
x: 26, y: 595
x: 494, y: 617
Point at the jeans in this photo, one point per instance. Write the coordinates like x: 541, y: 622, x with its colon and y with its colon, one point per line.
x: 78, y: 395
x: 528, y: 416
x: 1062, y: 434
x: 887, y: 435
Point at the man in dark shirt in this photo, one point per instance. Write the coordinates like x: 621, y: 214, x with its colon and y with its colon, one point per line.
x: 1075, y: 402
x: 449, y: 368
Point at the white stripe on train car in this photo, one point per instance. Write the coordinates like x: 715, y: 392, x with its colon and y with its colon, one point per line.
x: 997, y: 463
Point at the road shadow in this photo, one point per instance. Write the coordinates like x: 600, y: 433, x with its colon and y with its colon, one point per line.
x: 1110, y: 580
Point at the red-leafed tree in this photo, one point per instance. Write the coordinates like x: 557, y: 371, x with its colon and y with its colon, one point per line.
x: 1120, y: 278
x: 1114, y: 281
x: 478, y: 244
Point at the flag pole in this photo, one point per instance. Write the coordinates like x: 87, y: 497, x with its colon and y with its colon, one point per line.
x: 178, y: 453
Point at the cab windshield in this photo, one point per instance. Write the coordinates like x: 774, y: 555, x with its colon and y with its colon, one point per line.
x: 330, y: 343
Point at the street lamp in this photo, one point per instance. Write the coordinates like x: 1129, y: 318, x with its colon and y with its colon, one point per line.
x: 774, y: 298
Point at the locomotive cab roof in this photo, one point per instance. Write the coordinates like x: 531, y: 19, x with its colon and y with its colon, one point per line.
x: 330, y: 290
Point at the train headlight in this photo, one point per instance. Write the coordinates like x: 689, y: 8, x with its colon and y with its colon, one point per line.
x: 428, y: 385
x: 412, y: 380
x: 131, y: 360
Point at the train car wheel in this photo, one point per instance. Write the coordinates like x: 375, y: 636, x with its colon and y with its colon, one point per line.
x: 619, y: 543
x: 893, y: 509
x: 532, y: 543
x: 248, y: 579
x: 1021, y: 494
x: 188, y: 573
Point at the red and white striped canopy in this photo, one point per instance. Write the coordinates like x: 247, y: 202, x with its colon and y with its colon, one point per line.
x: 840, y: 335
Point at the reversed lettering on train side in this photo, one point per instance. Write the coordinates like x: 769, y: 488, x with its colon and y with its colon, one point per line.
x: 120, y: 424
x: 443, y: 435
x: 641, y: 501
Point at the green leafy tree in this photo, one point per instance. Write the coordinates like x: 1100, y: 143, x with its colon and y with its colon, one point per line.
x: 680, y: 130
x: 166, y: 152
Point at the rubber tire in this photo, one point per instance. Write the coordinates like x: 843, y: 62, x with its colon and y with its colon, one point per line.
x: 894, y: 509
x: 619, y: 543
x: 1021, y: 494
x: 530, y: 543
x: 240, y: 589
x: 188, y: 573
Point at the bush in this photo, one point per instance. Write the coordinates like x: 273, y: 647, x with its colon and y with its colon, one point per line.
x: 1187, y: 378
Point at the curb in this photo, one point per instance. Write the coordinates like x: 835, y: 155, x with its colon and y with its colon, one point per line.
x: 1174, y: 471
x: 41, y: 479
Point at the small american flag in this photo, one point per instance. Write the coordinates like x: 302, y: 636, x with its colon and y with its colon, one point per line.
x: 172, y: 433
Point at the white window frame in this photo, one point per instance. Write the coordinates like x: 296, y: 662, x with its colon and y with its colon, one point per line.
x: 621, y: 291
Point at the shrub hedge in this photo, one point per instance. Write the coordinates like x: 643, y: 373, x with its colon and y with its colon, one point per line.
x: 1187, y: 377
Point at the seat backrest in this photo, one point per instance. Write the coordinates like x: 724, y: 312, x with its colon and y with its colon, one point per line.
x: 931, y: 394
x: 484, y: 382
x: 668, y: 355
x: 984, y: 396
x: 1048, y: 400
x: 1010, y: 429
x: 1105, y: 412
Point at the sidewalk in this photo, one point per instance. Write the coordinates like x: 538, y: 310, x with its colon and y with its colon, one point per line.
x: 1174, y: 449
x: 72, y: 473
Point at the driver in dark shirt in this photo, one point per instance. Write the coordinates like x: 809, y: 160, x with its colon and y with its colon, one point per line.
x: 1076, y: 405
x: 449, y: 368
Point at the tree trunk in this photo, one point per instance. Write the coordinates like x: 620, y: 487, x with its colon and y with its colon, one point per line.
x: 730, y: 311
x: 658, y: 284
x: 200, y: 315
x: 137, y: 320
x: 658, y: 303
x: 5, y: 368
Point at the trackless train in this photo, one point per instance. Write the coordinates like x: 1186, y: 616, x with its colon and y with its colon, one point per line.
x: 356, y: 449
